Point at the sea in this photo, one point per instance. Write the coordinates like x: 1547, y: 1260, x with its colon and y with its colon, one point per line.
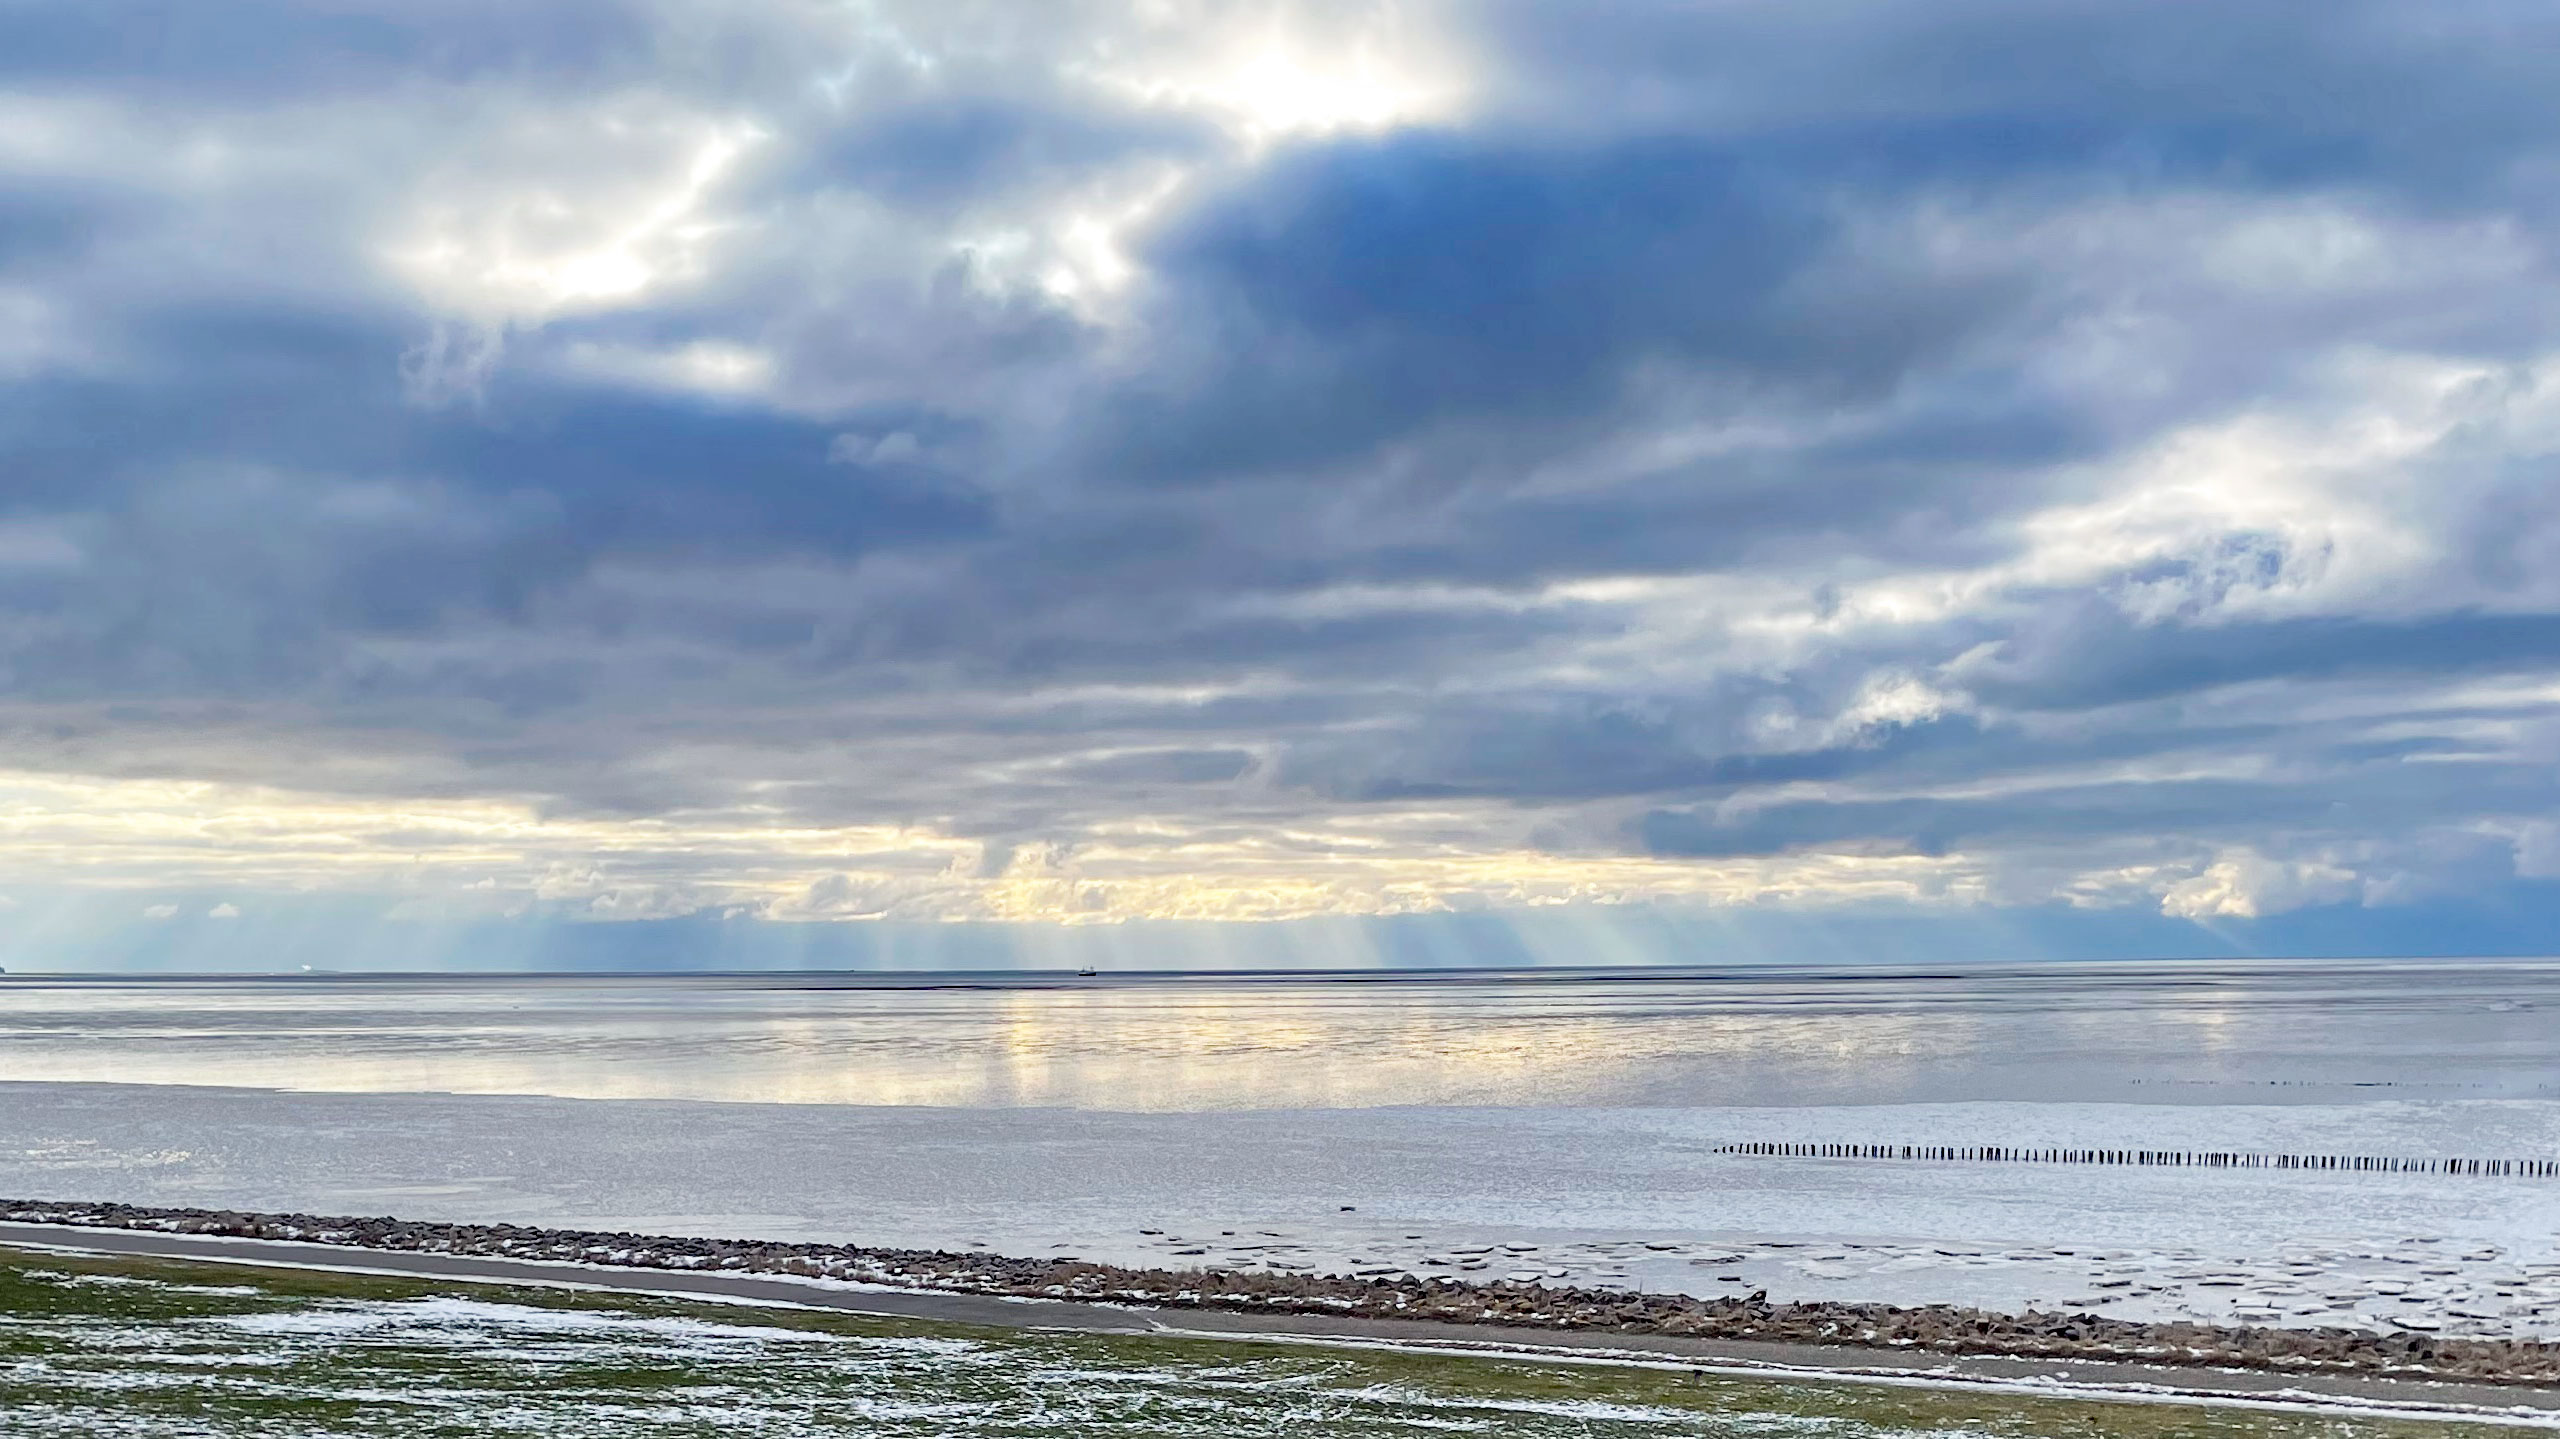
x: 2362, y: 1143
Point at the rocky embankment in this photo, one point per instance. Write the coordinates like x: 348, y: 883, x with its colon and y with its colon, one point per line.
x: 1529, y: 1306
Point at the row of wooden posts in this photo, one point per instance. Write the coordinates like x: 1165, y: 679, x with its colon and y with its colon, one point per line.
x: 2173, y: 1158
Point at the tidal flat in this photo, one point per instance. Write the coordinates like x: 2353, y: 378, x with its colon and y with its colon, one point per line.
x: 1664, y: 1132
x: 142, y: 1349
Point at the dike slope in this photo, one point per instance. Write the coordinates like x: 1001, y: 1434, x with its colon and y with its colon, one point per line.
x: 1497, y: 1310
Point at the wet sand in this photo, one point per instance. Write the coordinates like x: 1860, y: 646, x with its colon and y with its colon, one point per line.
x: 1619, y: 1200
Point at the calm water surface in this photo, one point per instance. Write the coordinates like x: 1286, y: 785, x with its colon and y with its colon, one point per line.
x: 2165, y: 1032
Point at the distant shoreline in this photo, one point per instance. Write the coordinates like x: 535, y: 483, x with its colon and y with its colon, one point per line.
x: 2131, y: 967
x: 1935, y: 1343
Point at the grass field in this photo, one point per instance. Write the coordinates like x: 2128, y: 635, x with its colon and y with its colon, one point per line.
x: 148, y: 1348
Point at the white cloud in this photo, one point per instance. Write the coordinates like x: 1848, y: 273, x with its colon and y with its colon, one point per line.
x: 1279, y: 71
x: 1475, y: 620
x: 33, y: 545
x: 553, y: 212
x: 2243, y: 884
x: 479, y: 857
x: 2537, y: 850
x: 714, y: 368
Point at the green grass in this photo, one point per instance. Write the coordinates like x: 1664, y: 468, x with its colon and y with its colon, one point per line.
x: 163, y: 1348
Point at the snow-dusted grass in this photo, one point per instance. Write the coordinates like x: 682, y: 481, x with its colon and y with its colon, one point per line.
x: 161, y: 1352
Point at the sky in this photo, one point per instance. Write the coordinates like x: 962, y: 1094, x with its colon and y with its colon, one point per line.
x: 1327, y: 481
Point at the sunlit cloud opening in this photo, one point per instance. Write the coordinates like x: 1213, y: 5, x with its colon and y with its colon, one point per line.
x: 1266, y: 85
x: 1086, y: 256
x: 716, y: 368
x: 1276, y: 85
x: 1280, y: 91
x: 578, y: 231
x: 461, y: 857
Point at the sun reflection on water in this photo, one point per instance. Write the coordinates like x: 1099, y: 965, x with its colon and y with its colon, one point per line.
x: 1230, y: 1043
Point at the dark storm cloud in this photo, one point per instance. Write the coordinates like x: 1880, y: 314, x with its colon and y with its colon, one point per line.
x: 1599, y: 750
x: 271, y: 48
x: 1731, y: 431
x: 1368, y: 290
x: 947, y: 152
x: 2094, y: 657
x: 2389, y: 798
x: 2436, y: 103
x: 635, y: 476
x: 48, y: 220
x: 1179, y: 766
